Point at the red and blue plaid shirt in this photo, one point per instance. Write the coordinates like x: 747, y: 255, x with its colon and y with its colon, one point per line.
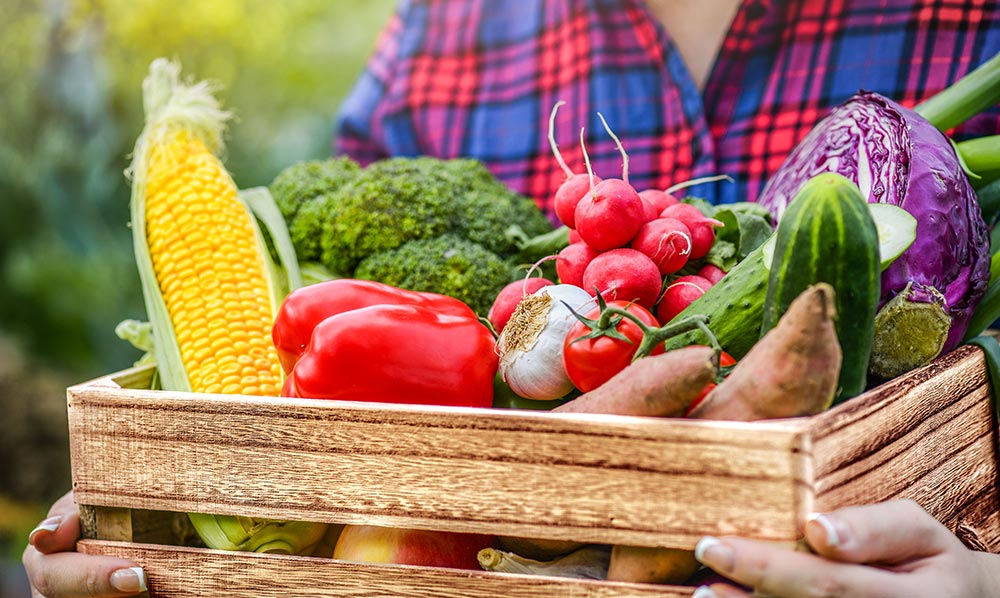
x: 478, y: 78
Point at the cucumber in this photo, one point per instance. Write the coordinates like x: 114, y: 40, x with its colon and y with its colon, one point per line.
x: 827, y: 234
x: 734, y: 306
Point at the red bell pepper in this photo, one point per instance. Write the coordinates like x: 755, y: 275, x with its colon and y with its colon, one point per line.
x: 304, y: 308
x: 398, y: 354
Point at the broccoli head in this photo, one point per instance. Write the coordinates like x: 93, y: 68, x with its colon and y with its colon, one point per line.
x: 302, y: 192
x: 389, y: 203
x: 446, y: 264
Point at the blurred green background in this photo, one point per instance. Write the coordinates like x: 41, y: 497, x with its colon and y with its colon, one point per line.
x: 70, y: 110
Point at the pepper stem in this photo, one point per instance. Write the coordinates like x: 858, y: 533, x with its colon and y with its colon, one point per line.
x: 966, y: 98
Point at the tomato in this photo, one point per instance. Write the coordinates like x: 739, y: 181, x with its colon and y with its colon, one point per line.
x: 725, y: 360
x: 590, y: 362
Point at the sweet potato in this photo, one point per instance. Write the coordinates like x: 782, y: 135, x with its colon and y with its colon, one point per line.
x: 659, y: 385
x: 792, y: 371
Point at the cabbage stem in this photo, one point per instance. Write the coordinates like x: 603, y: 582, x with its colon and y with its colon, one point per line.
x: 967, y: 97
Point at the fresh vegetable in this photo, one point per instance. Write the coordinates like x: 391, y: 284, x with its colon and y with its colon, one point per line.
x: 657, y: 199
x: 586, y: 562
x: 726, y: 362
x: 827, y: 234
x: 642, y: 564
x: 791, y: 371
x: 679, y: 294
x: 611, y: 214
x: 572, y: 190
x: 508, y: 298
x: 208, y: 281
x: 531, y: 345
x: 572, y: 262
x: 904, y: 342
x: 371, y: 544
x: 897, y: 157
x: 397, y: 354
x: 540, y: 549
x: 624, y: 274
x: 666, y: 241
x: 701, y: 228
x: 371, y: 214
x: 658, y: 386
x: 304, y: 308
x: 601, y: 344
x: 711, y: 273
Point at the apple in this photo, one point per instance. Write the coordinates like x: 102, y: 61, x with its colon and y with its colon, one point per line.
x: 372, y: 544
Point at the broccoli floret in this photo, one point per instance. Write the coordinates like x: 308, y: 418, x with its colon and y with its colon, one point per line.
x: 446, y: 264
x: 389, y: 203
x: 302, y: 192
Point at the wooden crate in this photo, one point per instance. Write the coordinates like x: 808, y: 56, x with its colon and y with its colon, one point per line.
x: 141, y: 456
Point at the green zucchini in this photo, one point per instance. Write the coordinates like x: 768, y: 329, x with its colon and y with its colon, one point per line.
x: 827, y: 234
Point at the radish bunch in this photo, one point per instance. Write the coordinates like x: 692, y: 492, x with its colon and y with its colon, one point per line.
x: 631, y: 245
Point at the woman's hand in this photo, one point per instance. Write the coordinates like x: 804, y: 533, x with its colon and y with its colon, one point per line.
x: 888, y: 549
x: 55, y: 570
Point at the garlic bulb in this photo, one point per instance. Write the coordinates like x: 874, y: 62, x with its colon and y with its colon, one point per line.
x: 531, y: 345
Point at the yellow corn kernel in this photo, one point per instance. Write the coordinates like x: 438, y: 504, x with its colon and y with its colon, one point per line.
x: 212, y: 278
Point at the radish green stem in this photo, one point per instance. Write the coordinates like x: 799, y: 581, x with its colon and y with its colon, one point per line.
x: 618, y: 143
x: 981, y: 156
x: 966, y: 98
x: 552, y: 139
x: 693, y: 182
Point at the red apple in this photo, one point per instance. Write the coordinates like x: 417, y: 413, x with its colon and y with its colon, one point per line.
x: 371, y: 544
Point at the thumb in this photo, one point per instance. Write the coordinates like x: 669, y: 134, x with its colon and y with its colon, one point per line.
x: 886, y: 533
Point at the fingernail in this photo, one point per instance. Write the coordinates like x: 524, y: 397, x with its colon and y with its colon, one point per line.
x: 49, y: 525
x: 131, y: 580
x: 834, y: 536
x: 704, y: 592
x: 713, y: 553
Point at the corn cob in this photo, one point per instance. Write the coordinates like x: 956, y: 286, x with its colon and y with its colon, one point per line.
x: 209, y: 283
x: 207, y: 269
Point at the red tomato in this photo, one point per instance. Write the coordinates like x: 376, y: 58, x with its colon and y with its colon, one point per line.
x: 591, y: 362
x: 725, y: 360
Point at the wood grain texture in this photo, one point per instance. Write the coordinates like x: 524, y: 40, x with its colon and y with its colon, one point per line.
x: 200, y: 573
x: 593, y: 478
x: 930, y: 436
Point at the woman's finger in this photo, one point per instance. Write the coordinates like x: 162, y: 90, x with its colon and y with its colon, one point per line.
x: 60, y: 530
x: 777, y: 570
x: 75, y: 575
x: 887, y: 533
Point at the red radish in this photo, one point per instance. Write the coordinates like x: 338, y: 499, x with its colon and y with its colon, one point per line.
x: 679, y: 294
x: 660, y: 200
x: 649, y: 210
x: 508, y: 298
x: 574, y: 237
x: 666, y: 241
x: 624, y: 274
x: 701, y: 226
x: 574, y: 187
x: 711, y: 273
x: 611, y: 214
x: 572, y: 261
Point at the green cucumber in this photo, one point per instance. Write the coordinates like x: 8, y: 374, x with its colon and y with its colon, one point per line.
x: 827, y: 234
x: 734, y: 306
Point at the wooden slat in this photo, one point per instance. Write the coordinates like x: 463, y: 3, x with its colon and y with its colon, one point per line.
x: 200, y: 573
x: 602, y: 479
x: 929, y: 436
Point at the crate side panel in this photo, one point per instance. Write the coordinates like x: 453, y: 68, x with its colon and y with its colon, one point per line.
x: 195, y: 573
x: 929, y: 436
x: 599, y: 479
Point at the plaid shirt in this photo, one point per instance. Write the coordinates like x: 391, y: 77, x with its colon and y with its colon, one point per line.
x: 478, y: 78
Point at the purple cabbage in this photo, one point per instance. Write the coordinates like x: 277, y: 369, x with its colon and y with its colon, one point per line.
x: 896, y: 156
